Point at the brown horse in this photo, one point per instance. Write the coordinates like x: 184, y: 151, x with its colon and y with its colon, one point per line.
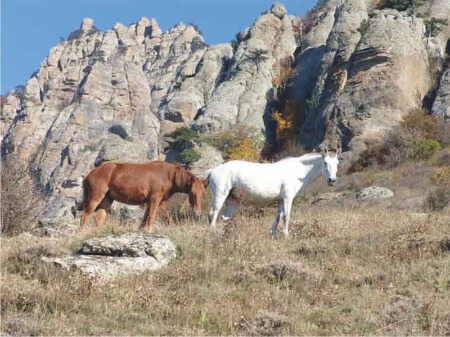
x: 135, y: 184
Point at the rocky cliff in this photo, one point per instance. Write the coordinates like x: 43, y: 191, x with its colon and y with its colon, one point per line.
x: 357, y: 71
x: 364, y: 70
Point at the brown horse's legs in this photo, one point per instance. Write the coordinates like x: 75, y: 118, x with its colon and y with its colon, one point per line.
x: 144, y: 219
x: 102, y: 210
x: 88, y: 210
x: 151, y: 212
x: 90, y: 207
x: 165, y: 210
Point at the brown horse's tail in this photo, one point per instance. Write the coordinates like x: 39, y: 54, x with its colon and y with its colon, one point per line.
x: 206, y: 180
x: 83, y: 203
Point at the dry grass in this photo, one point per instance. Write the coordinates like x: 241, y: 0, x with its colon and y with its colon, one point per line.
x: 359, y: 270
x: 347, y: 269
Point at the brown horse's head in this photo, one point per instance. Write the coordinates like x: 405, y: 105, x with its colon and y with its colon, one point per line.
x: 188, y: 183
x: 196, y: 194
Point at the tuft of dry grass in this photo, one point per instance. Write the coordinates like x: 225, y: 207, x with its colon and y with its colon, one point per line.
x: 357, y: 270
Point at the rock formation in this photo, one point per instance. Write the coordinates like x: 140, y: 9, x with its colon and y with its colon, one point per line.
x: 373, y: 69
x: 107, y: 257
x: 113, y: 95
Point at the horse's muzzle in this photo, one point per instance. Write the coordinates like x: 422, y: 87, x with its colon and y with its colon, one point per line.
x: 331, y: 182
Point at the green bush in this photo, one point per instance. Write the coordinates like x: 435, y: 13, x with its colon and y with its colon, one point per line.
x: 185, y: 134
x: 184, y: 142
x: 228, y: 141
x: 422, y: 149
x: 363, y: 27
x: 418, y: 137
x: 119, y: 130
x: 189, y: 156
x: 400, y: 5
x: 197, y: 43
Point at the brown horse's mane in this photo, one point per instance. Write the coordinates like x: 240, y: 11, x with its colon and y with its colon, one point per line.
x: 183, y: 179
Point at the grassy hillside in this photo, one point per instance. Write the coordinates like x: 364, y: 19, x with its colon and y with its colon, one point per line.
x: 348, y: 268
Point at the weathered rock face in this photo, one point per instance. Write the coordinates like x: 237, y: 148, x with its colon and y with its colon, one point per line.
x: 441, y: 106
x: 124, y: 77
x: 373, y: 70
x: 110, y: 256
x: 358, y: 71
x: 243, y: 96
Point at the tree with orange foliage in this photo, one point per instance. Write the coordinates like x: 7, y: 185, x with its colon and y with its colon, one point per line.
x: 246, y: 150
x: 286, y: 124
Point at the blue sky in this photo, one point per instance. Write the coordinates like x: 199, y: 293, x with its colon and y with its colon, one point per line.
x: 29, y: 28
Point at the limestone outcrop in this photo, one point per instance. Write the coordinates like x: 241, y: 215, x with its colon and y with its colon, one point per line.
x: 116, y: 94
x: 107, y: 257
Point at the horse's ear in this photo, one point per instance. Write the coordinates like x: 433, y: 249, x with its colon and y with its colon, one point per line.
x: 339, y: 151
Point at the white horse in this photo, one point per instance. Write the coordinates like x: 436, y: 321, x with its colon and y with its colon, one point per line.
x: 280, y: 181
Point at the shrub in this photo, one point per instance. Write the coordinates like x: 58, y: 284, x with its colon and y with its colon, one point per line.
x: 256, y: 57
x: 235, y: 42
x: 422, y: 149
x: 312, y: 103
x: 197, y: 43
x: 283, y: 74
x: 434, y: 26
x: 184, y: 142
x: 21, y: 203
x: 363, y: 27
x: 189, y: 156
x: 441, y: 176
x: 290, y: 149
x: 185, y: 134
x: 418, y: 137
x: 99, y: 55
x: 122, y: 49
x: 227, y: 142
x: 400, y: 5
x: 427, y: 126
x: 245, y: 151
x: 119, y: 130
x: 438, y: 198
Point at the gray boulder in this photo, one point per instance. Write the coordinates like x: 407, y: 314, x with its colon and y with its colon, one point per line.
x: 116, y: 148
x: 114, y: 255
x: 55, y: 227
x: 373, y: 193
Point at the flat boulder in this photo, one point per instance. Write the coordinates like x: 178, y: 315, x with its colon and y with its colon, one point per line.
x: 113, y: 255
x: 374, y: 193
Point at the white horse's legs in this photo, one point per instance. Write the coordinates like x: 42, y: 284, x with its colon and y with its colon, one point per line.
x: 216, y: 206
x: 287, y: 205
x: 230, y: 207
x: 277, y: 220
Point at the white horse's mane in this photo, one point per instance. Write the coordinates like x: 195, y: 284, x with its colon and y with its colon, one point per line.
x: 304, y: 158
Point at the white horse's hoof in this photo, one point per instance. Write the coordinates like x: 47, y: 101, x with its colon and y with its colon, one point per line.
x: 225, y: 218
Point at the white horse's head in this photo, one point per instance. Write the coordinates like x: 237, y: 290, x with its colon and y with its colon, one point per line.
x: 330, y: 166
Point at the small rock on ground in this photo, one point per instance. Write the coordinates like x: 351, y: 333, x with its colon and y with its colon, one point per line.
x: 373, y: 193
